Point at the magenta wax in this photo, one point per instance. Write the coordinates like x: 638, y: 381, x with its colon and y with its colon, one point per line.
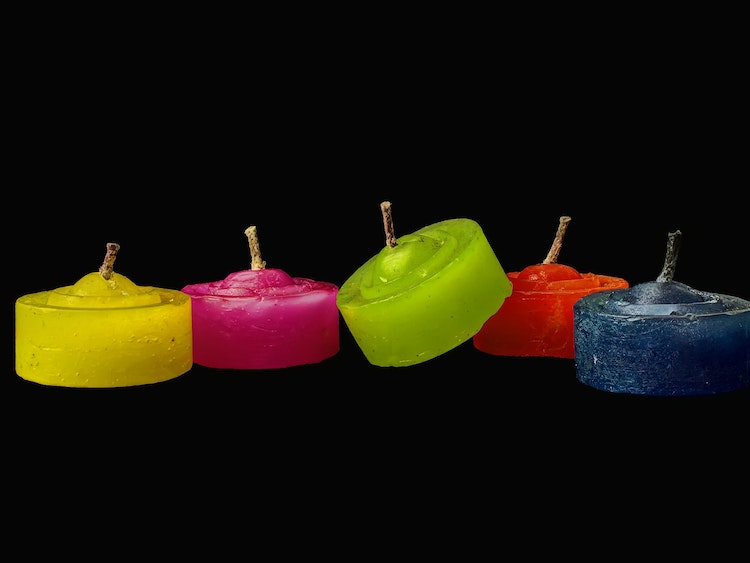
x: 263, y: 319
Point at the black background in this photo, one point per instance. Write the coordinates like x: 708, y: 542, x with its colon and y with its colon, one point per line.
x: 172, y: 146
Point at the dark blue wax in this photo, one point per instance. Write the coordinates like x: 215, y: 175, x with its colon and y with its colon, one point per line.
x: 662, y: 338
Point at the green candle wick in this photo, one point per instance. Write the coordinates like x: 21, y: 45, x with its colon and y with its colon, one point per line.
x: 670, y: 262
x: 256, y: 263
x: 554, y: 250
x: 107, y: 267
x: 390, y: 236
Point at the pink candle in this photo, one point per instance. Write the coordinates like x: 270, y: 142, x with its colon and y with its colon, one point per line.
x: 263, y: 318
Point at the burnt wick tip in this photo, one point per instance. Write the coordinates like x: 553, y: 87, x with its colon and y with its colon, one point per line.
x: 670, y: 261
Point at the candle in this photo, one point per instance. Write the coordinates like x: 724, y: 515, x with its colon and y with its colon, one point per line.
x: 103, y: 331
x: 424, y: 293
x: 263, y: 318
x: 537, y: 318
x: 663, y: 338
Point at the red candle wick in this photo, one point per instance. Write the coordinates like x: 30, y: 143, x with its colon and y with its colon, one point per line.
x: 554, y: 250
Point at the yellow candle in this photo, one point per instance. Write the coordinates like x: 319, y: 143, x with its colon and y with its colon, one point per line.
x: 103, y: 331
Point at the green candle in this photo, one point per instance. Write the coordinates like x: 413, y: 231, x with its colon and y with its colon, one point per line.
x: 424, y: 293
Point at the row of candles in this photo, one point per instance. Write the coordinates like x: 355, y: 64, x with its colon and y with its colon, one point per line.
x: 422, y: 295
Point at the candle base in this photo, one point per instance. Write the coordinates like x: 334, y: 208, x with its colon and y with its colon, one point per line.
x: 539, y: 322
x: 663, y: 354
x: 103, y: 347
x: 263, y: 319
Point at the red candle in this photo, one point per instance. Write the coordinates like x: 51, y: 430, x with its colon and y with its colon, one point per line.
x: 263, y: 318
x: 537, y: 318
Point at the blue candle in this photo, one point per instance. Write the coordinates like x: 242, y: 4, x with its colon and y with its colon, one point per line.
x: 662, y: 338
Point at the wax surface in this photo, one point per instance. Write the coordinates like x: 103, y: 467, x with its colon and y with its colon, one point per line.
x: 426, y: 295
x: 664, y: 339
x: 537, y: 318
x: 103, y: 333
x: 263, y: 319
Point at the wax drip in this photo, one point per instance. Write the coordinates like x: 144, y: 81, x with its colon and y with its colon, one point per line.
x: 107, y: 267
x: 390, y: 237
x: 256, y: 263
x: 554, y: 250
x: 670, y: 262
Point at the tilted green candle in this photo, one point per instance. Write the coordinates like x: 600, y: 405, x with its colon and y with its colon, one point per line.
x: 423, y: 294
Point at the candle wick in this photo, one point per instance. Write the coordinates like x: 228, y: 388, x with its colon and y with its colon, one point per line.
x: 390, y: 236
x: 670, y: 262
x: 554, y: 250
x: 256, y: 263
x: 107, y: 267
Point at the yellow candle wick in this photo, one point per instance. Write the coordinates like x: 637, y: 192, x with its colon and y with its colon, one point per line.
x: 107, y: 266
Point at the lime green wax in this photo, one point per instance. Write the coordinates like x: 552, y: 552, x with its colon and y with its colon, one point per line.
x: 424, y: 296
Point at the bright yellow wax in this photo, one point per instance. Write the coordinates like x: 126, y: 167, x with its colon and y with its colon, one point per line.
x: 103, y: 333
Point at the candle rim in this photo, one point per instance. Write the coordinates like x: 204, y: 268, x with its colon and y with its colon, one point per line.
x: 39, y: 300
